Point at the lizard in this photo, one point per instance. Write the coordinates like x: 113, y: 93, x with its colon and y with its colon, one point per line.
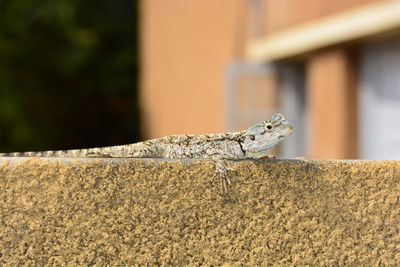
x: 252, y: 143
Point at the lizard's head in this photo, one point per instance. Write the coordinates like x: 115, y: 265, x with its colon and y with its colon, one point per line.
x: 262, y: 136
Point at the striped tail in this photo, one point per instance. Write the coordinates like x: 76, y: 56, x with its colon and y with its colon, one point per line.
x: 137, y: 150
x: 74, y: 153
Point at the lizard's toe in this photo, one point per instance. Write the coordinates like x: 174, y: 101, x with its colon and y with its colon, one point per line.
x: 221, y: 171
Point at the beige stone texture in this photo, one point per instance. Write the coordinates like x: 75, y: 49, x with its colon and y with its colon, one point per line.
x: 131, y: 212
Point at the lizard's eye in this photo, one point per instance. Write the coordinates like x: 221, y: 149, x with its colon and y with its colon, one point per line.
x: 252, y: 137
x: 269, y: 126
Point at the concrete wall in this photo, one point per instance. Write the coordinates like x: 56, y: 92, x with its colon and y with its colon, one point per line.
x: 131, y: 212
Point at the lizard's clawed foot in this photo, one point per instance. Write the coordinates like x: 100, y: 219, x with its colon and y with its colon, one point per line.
x: 221, y: 171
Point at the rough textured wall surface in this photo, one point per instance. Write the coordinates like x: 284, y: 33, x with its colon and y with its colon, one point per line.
x: 132, y: 212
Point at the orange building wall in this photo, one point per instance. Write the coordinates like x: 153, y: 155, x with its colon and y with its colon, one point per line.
x: 185, y: 49
x: 332, y: 93
x: 283, y: 14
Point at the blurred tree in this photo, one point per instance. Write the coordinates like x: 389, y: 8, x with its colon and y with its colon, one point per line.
x: 68, y: 74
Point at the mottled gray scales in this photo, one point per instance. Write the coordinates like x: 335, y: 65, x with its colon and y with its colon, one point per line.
x: 251, y: 143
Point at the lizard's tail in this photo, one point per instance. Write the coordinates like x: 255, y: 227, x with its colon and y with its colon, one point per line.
x: 137, y: 150
x: 74, y: 153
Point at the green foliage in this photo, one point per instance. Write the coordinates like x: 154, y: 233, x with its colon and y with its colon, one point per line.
x: 68, y: 73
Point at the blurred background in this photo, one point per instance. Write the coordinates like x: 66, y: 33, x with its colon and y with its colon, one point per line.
x: 93, y: 73
x: 68, y: 74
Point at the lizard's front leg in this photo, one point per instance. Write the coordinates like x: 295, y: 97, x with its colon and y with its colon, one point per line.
x: 221, y: 171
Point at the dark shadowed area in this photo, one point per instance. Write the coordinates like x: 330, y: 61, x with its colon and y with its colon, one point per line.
x: 68, y: 74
